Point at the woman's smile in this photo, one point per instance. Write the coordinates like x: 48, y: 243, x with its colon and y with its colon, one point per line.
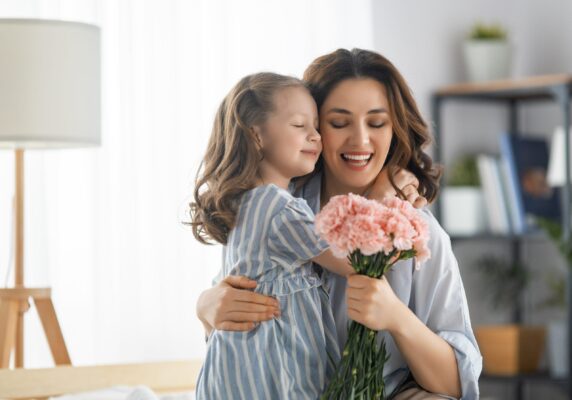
x: 357, y: 161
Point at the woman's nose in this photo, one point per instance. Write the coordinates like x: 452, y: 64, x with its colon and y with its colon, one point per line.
x: 359, y: 136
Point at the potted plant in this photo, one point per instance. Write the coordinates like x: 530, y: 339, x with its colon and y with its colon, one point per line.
x: 487, y: 53
x: 513, y: 348
x: 462, y: 199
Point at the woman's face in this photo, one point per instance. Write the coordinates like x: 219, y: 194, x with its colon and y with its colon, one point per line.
x: 356, y: 134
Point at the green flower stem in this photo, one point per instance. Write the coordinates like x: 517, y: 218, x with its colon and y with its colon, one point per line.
x: 360, y: 372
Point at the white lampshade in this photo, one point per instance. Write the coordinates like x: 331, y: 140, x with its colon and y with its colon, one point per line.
x: 557, y: 163
x: 49, y: 84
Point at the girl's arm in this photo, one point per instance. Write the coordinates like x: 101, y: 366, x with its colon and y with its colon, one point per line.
x: 430, y: 358
x: 404, y: 180
x: 231, y: 306
x: 340, y: 266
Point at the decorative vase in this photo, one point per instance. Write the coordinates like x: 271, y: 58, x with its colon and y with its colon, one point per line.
x: 487, y: 60
x: 558, y: 349
x: 463, y: 210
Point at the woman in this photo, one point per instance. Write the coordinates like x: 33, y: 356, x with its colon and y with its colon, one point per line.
x: 369, y: 121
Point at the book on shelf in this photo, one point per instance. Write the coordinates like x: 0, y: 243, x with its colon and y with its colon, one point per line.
x: 524, y: 166
x: 493, y: 193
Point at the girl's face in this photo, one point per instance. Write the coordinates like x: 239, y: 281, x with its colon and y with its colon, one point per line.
x: 290, y: 141
x: 356, y: 134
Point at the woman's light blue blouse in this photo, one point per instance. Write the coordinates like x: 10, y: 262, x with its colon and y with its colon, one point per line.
x: 434, y: 292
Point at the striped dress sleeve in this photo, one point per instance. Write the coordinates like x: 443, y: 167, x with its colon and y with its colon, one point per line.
x: 292, y: 237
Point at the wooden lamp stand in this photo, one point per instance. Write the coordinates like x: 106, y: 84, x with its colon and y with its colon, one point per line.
x: 14, y: 302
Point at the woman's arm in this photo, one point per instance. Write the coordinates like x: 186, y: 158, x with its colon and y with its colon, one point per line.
x: 231, y: 306
x: 431, y: 359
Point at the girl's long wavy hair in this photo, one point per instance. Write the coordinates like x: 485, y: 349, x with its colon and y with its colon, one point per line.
x: 411, y: 133
x: 230, y: 165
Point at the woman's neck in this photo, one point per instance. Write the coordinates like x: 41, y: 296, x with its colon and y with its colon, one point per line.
x: 331, y: 187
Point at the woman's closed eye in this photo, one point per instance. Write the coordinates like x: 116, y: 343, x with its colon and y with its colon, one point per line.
x: 338, y: 124
x: 377, y: 124
x: 343, y: 124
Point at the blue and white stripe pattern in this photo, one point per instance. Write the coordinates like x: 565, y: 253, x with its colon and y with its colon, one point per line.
x: 290, y: 357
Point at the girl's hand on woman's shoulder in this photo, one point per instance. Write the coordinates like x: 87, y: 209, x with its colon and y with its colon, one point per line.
x: 230, y: 306
x: 404, y: 180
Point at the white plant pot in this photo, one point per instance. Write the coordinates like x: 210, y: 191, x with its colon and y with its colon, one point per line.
x: 558, y: 349
x: 463, y: 210
x: 487, y: 60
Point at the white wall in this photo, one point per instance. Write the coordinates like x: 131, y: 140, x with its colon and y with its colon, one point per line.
x: 424, y: 40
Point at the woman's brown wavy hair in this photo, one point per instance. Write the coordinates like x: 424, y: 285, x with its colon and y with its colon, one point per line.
x: 230, y: 165
x: 411, y: 133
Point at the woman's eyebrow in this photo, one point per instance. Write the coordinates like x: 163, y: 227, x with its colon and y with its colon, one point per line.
x: 377, y: 111
x: 344, y: 111
x: 338, y: 111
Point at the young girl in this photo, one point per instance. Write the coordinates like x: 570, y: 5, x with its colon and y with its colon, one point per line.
x: 265, y: 134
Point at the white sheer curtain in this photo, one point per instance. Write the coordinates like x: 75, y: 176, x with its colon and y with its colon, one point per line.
x: 103, y: 225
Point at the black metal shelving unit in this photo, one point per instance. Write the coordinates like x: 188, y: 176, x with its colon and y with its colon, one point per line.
x: 510, y: 94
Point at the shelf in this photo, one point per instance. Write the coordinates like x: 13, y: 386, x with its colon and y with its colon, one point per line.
x: 532, y: 88
x: 510, y: 94
x: 533, y: 235
x: 535, y: 377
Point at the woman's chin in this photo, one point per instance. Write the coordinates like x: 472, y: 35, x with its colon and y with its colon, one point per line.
x: 358, y: 177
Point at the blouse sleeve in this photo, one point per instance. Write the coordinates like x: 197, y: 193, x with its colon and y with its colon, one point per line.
x: 292, y: 240
x: 439, y: 300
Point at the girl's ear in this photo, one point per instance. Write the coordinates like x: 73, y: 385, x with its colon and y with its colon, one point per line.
x: 256, y: 132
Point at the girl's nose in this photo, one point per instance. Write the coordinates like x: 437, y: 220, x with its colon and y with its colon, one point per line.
x: 359, y: 136
x: 314, y: 136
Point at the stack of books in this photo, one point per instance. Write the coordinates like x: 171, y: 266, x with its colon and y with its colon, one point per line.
x: 515, y: 185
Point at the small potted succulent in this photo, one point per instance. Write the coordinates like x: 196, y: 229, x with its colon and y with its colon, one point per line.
x: 463, y: 202
x: 487, y: 53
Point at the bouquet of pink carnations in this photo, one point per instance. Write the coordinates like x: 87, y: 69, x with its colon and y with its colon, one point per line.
x: 374, y: 236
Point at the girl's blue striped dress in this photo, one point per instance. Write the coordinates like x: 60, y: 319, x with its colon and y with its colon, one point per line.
x: 292, y: 356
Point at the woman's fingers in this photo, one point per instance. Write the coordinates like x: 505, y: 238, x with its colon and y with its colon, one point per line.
x: 235, y: 326
x: 237, y: 316
x: 240, y: 282
x: 242, y: 306
x: 256, y: 298
x: 358, y: 281
x: 354, y: 304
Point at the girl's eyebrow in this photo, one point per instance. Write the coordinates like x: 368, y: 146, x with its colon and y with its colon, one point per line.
x: 344, y: 111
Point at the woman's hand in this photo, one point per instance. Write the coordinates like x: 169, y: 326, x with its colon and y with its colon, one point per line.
x: 432, y: 361
x: 230, y: 306
x: 404, y: 180
x: 372, y: 303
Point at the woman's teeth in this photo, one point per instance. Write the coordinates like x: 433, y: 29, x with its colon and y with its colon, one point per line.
x: 357, y: 160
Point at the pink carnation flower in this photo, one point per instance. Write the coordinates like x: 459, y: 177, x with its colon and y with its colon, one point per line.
x: 351, y: 222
